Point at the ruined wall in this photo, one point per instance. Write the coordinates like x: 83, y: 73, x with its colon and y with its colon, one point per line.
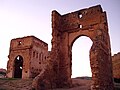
x: 33, y: 56
x: 2, y: 73
x: 39, y: 53
x: 90, y: 22
x: 116, y: 65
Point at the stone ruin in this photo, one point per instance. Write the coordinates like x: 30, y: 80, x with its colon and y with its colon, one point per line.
x: 2, y: 73
x: 26, y: 57
x: 116, y: 67
x: 90, y: 22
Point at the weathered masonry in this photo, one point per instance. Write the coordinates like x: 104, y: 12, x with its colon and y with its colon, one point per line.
x: 27, y: 56
x: 90, y: 22
x: 116, y: 67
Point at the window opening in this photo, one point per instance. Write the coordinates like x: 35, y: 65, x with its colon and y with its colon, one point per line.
x: 34, y: 54
x: 80, y: 26
x: 80, y: 16
x: 19, y: 43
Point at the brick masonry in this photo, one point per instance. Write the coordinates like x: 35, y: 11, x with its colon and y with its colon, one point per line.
x: 90, y: 22
x: 116, y: 65
x: 34, y: 53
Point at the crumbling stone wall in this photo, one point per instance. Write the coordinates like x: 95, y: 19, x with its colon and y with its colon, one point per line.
x: 2, y: 73
x: 116, y: 65
x: 90, y: 22
x: 46, y: 79
x: 34, y: 53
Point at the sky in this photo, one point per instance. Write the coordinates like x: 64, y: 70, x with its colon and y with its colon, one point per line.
x: 19, y: 18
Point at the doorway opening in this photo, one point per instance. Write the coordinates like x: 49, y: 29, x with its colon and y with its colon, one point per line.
x: 18, y: 66
x: 80, y: 58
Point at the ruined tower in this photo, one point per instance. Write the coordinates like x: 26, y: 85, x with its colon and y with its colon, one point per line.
x: 90, y: 22
x: 27, y: 56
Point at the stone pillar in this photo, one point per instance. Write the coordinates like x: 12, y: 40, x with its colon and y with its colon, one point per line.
x: 55, y: 52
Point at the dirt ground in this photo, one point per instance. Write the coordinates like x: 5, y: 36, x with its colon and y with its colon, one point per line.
x: 79, y: 84
x: 21, y: 84
x: 15, y: 84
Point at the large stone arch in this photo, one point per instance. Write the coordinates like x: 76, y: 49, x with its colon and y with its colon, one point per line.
x: 77, y: 57
x: 90, y: 22
x: 72, y: 39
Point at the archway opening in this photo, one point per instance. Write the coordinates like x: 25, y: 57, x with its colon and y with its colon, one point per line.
x: 80, y: 57
x: 18, y: 66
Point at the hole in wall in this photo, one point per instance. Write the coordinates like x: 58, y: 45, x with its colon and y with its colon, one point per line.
x: 20, y: 67
x: 80, y: 16
x: 80, y: 26
x: 19, y: 43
